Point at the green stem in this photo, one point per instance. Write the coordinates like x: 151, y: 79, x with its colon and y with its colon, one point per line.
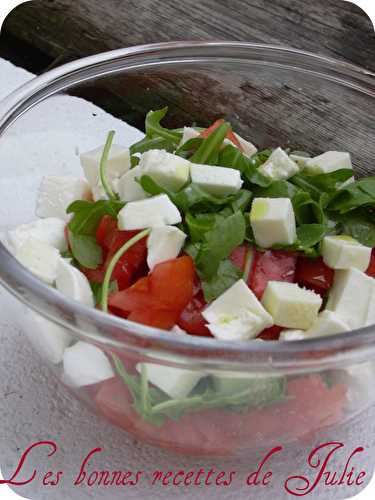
x: 210, y: 144
x: 103, y: 164
x: 114, y: 261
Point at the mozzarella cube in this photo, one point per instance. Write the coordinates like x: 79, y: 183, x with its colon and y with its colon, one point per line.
x: 350, y: 295
x: 169, y: 171
x: 218, y: 181
x: 247, y: 147
x: 153, y: 212
x: 244, y: 326
x: 177, y: 383
x: 370, y: 315
x: 40, y: 259
x: 129, y: 189
x: 164, y: 243
x: 57, y: 193
x: 118, y: 164
x: 73, y: 284
x: 329, y: 162
x: 50, y: 231
x: 292, y: 335
x: 188, y: 134
x: 85, y: 364
x: 328, y: 323
x: 48, y: 338
x: 344, y: 252
x: 300, y: 160
x: 279, y: 166
x: 273, y: 221
x: 237, y: 314
x: 290, y: 305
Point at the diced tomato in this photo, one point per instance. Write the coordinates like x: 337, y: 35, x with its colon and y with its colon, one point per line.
x: 94, y: 275
x: 238, y: 256
x: 230, y: 135
x: 371, y: 268
x: 192, y: 320
x: 272, y: 265
x: 105, y: 231
x: 272, y: 333
x: 172, y: 282
x: 309, y: 408
x: 159, y: 298
x: 314, y: 274
x: 152, y: 316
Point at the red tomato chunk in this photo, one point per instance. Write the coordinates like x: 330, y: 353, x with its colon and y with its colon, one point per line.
x: 314, y: 274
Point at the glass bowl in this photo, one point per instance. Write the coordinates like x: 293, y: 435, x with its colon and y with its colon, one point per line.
x: 272, y: 96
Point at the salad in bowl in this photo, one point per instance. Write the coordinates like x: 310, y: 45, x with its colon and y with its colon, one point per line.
x: 196, y: 232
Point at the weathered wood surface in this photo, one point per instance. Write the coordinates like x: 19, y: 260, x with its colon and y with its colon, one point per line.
x: 67, y: 29
x: 62, y: 30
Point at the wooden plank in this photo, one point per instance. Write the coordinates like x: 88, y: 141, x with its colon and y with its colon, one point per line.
x: 288, y: 110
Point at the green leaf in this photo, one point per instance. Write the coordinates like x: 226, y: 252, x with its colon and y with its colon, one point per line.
x: 85, y: 250
x: 219, y: 242
x: 155, y: 143
x: 359, y: 224
x: 208, y: 151
x: 232, y: 157
x: 227, y: 275
x: 310, y: 234
x: 87, y: 214
x: 189, y: 146
x: 277, y: 189
x: 307, y: 211
x: 358, y: 194
x: 317, y: 184
x: 97, y: 290
x: 199, y: 225
x: 242, y: 201
x: 154, y: 129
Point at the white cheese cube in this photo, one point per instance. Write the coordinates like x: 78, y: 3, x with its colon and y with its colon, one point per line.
x: 40, y: 259
x: 188, y: 134
x: 290, y: 305
x: 292, y: 335
x: 328, y: 323
x: 85, y: 364
x: 129, y: 189
x: 300, y: 160
x: 48, y: 338
x: 49, y: 231
x: 169, y: 171
x: 273, y: 221
x: 329, y: 162
x: 177, y: 383
x: 237, y: 314
x: 153, y: 212
x: 279, y: 166
x: 344, y: 252
x: 218, y: 181
x: 370, y: 316
x: 248, y: 148
x: 164, y: 243
x: 349, y: 296
x: 118, y: 164
x: 57, y: 193
x: 73, y: 284
x: 244, y: 326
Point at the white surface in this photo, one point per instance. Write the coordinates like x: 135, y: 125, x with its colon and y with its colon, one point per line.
x: 33, y: 406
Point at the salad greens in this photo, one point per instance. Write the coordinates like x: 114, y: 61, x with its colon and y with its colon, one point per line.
x: 155, y: 406
x: 103, y: 163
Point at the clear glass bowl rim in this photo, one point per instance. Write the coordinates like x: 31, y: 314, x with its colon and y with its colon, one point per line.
x: 326, y: 352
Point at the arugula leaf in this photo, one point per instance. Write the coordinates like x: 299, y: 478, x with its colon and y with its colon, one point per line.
x: 232, y: 157
x: 316, y: 184
x: 190, y: 197
x: 227, y: 275
x: 277, y: 189
x: 199, y: 225
x: 310, y: 234
x: 88, y: 214
x: 219, y: 242
x: 146, y: 144
x: 85, y: 250
x: 191, y: 145
x: 208, y: 151
x: 359, y: 224
x: 154, y: 129
x: 358, y: 194
x: 307, y: 211
x: 155, y: 406
x: 242, y: 200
